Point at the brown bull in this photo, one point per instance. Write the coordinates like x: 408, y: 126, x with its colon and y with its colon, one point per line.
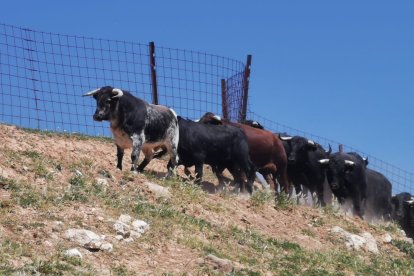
x: 266, y: 151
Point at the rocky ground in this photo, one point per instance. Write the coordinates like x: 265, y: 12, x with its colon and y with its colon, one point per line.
x: 66, y: 209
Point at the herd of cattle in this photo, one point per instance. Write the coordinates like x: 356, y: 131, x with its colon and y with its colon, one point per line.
x: 244, y: 149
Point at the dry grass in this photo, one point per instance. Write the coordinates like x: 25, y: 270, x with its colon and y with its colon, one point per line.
x: 54, y: 177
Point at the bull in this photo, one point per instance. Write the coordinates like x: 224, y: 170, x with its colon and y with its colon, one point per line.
x: 137, y: 124
x: 303, y: 166
x: 346, y: 174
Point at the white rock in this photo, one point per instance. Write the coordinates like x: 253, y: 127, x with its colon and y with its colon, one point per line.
x: 223, y: 265
x: 107, y: 247
x: 129, y: 240
x: 409, y: 240
x: 122, y: 229
x: 73, y: 253
x: 135, y: 234
x: 125, y: 219
x: 158, y: 190
x: 119, y: 237
x: 102, y: 181
x: 140, y: 226
x: 386, y: 238
x: 57, y: 226
x: 370, y: 243
x: 85, y: 238
x: 355, y: 242
x: 78, y: 173
x: 48, y: 243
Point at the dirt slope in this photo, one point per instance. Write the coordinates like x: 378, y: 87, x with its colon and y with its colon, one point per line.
x: 56, y: 182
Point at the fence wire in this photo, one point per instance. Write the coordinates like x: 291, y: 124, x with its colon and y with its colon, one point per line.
x: 402, y: 180
x: 43, y: 75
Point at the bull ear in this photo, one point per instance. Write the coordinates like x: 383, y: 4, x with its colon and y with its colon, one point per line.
x: 117, y: 93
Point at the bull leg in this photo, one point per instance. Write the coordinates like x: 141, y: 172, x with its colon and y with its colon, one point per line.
x: 199, y: 172
x: 120, y: 156
x: 283, y: 181
x: 137, y: 141
x: 173, y: 134
x: 172, y: 164
x: 271, y: 182
x: 219, y: 175
x: 143, y: 164
x: 321, y: 199
x: 357, y: 210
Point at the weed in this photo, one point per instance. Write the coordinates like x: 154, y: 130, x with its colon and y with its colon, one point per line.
x: 76, y: 190
x: 31, y: 154
x: 261, y: 198
x: 283, y: 202
x: 405, y: 247
x: 121, y: 271
x: 351, y: 228
x: 308, y: 232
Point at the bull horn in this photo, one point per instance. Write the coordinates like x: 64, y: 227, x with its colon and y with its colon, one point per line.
x: 323, y: 161
x: 365, y: 160
x: 285, y: 138
x: 91, y: 93
x: 217, y: 117
x: 349, y: 163
x: 118, y: 93
x: 310, y: 142
x: 411, y: 201
x: 329, y: 151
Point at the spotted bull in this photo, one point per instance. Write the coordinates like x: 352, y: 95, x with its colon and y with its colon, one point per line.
x: 137, y: 124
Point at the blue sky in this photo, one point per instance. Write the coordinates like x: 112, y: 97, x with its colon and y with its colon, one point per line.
x: 344, y: 71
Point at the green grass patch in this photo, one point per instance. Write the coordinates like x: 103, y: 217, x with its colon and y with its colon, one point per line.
x: 261, y: 198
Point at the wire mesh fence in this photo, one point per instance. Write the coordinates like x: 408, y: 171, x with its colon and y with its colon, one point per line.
x: 43, y: 75
x: 401, y: 180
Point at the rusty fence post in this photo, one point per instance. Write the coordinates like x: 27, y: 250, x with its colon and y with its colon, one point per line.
x: 153, y: 73
x: 246, y: 79
x: 224, y: 102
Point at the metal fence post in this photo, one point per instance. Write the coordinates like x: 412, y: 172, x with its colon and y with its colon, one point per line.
x: 153, y: 73
x: 341, y: 148
x: 246, y: 79
x: 224, y: 104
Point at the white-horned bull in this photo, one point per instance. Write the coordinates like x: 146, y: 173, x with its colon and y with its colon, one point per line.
x: 137, y: 124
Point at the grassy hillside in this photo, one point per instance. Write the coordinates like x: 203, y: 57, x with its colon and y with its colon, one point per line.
x: 52, y: 182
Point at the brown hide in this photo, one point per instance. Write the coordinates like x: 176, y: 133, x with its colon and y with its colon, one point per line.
x: 266, y: 152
